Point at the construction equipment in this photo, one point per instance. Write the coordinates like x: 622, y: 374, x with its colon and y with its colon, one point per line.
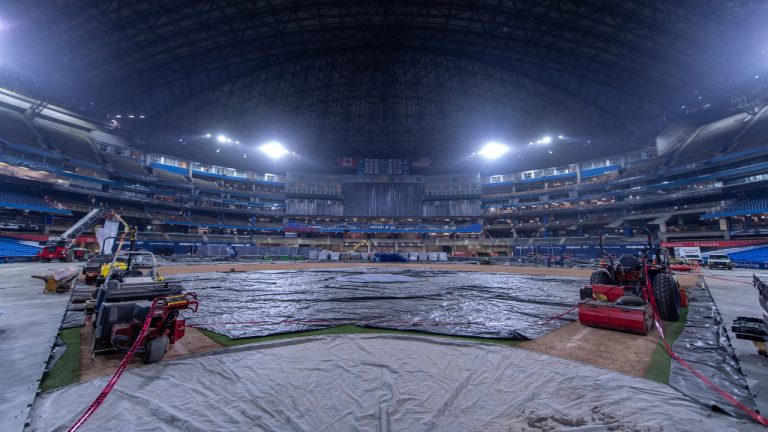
x: 751, y: 328
x: 124, y: 301
x: 361, y: 244
x: 98, y: 267
x: 59, y: 281
x: 91, y: 269
x: 61, y: 247
x: 618, y: 296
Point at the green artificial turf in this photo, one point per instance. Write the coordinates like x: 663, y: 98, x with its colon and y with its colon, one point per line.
x: 344, y: 329
x: 658, y: 368
x: 67, y: 369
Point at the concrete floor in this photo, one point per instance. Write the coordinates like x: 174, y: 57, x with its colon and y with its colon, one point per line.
x: 735, y: 296
x: 29, y: 324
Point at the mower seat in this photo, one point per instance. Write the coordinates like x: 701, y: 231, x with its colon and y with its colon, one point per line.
x: 629, y: 263
x: 118, y: 313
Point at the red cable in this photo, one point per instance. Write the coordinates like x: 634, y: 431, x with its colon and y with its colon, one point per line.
x: 120, y: 369
x: 561, y: 315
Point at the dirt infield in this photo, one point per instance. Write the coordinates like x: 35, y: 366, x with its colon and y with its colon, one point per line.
x: 622, y: 352
x: 617, y: 351
x: 105, y: 364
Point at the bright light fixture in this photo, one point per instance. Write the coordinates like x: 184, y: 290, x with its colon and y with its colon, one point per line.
x: 221, y: 138
x: 207, y: 135
x: 493, y: 150
x: 274, y: 150
x: 546, y: 140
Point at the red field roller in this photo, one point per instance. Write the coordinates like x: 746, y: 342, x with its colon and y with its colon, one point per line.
x: 618, y: 295
x: 629, y: 314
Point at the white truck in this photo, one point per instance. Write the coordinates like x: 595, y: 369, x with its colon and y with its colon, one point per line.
x: 688, y: 255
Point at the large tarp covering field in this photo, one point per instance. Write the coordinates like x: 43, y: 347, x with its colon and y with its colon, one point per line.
x: 704, y: 344
x: 377, y: 383
x: 490, y: 305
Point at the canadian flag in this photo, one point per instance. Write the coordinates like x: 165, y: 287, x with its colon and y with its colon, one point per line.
x: 346, y: 161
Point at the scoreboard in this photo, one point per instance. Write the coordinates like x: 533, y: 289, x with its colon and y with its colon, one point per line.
x: 383, y: 167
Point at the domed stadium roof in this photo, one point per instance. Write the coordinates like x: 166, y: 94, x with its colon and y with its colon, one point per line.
x: 394, y: 78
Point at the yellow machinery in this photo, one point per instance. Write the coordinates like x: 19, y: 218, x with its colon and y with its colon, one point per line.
x: 360, y: 244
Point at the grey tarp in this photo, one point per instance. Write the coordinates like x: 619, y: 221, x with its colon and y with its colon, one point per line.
x: 492, y: 305
x: 378, y: 383
x: 75, y: 315
x: 704, y: 344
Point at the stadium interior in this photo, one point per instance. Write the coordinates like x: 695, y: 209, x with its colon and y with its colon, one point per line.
x: 498, y: 154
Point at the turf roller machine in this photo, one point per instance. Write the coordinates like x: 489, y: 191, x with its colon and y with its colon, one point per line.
x: 618, y: 297
x: 130, y: 296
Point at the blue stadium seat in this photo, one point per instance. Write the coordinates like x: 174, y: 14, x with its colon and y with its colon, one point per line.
x: 11, y: 248
x: 752, y: 255
x: 26, y: 200
x: 746, y: 206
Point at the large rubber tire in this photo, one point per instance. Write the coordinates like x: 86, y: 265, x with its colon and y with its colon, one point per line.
x: 155, y: 349
x: 667, y: 295
x: 600, y: 277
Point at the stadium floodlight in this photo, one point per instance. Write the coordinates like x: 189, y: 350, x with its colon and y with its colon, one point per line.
x: 274, y: 150
x: 221, y: 138
x: 493, y: 150
x: 546, y: 140
x: 207, y: 135
x: 560, y: 137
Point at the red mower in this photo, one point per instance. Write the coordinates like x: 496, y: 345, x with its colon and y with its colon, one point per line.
x: 618, y: 296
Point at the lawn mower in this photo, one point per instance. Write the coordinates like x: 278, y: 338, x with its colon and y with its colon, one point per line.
x: 125, y: 299
x: 618, y: 297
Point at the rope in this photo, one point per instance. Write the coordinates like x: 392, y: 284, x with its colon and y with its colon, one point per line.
x: 727, y: 396
x: 120, y: 369
x: 560, y: 315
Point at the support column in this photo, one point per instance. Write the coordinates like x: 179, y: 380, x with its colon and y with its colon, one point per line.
x: 724, y: 227
x: 663, y: 231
